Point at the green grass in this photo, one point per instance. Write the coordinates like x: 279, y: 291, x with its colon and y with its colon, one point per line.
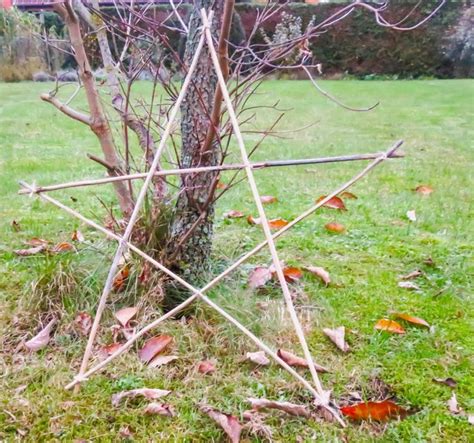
x: 435, y: 120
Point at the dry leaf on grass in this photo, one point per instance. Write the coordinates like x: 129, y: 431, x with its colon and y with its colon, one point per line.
x: 408, y: 285
x: 349, y: 195
x: 162, y: 360
x: 424, y: 189
x: 294, y: 360
x: 36, y: 241
x: 41, y: 340
x: 267, y: 199
x: 453, y: 404
x: 162, y: 409
x: 371, y: 410
x: 107, y: 350
x: 335, y: 227
x: 251, y: 220
x: 258, y: 358
x: 446, y: 381
x: 289, y: 408
x: 333, y: 203
x: 63, y: 247
x: 292, y: 274
x: 233, y: 214
x: 149, y: 393
x: 125, y: 315
x: 83, y: 323
x: 120, y: 279
x: 227, y: 422
x: 412, y: 275
x: 259, y: 276
x: 77, y: 236
x: 154, y: 346
x: 387, y: 325
x: 413, y: 320
x: 319, y: 272
x: 274, y: 223
x: 30, y: 251
x: 206, y: 367
x: 337, y: 337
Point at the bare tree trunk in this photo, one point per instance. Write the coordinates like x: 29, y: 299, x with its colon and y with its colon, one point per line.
x: 191, y: 231
x: 98, y: 121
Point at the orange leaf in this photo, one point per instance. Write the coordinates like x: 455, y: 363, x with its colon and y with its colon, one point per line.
x: 253, y: 220
x: 385, y: 324
x: 120, y: 279
x: 414, y: 320
x: 125, y: 315
x: 234, y: 214
x: 332, y: 203
x: 35, y: 241
x: 77, y: 236
x: 349, y: 195
x: 424, y: 189
x: 372, y: 410
x: 63, y: 247
x: 277, y: 223
x: 221, y: 185
x: 292, y: 274
x: 335, y: 227
x: 154, y: 346
x: 206, y: 367
x: 267, y: 199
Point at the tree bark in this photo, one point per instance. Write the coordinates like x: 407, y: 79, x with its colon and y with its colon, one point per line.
x: 191, y: 230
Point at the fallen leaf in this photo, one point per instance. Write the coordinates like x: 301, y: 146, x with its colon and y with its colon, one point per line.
x: 408, y: 285
x: 259, y: 276
x: 446, y: 381
x: 227, y: 422
x: 387, y: 325
x: 292, y: 274
x: 77, y: 236
x: 234, y: 214
x: 36, y: 241
x: 15, y: 226
x: 411, y: 215
x: 410, y: 319
x: 163, y: 409
x: 221, y: 185
x: 332, y: 203
x: 258, y: 358
x: 107, y: 350
x: 154, y: 346
x: 277, y: 223
x: 424, y: 189
x: 412, y: 275
x: 120, y: 279
x: 372, y: 410
x: 335, y: 227
x: 62, y: 247
x: 125, y: 432
x: 162, y: 360
x: 453, y: 404
x: 83, y: 322
x: 149, y: 393
x: 337, y: 337
x: 267, y: 199
x: 349, y: 195
x: 294, y: 360
x: 30, y: 251
x: 41, y: 340
x: 253, y: 220
x: 255, y: 425
x: 319, y: 272
x: 124, y: 315
x: 206, y: 367
x: 289, y: 408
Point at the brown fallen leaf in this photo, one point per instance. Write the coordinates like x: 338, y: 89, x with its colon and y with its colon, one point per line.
x: 387, y: 325
x: 408, y: 285
x: 446, y: 381
x: 294, y: 360
x: 161, y: 360
x: 107, y: 350
x: 349, y: 195
x: 372, y: 410
x: 41, y: 340
x: 162, y: 409
x: 83, y: 323
x: 15, y: 226
x: 258, y: 358
x: 268, y: 199
x: 206, y: 367
x: 149, y: 393
x: 234, y: 214
x: 77, y: 236
x: 335, y: 227
x: 154, y: 346
x: 424, y: 189
x: 259, y: 277
x: 251, y: 220
x: 292, y: 274
x: 30, y: 251
x: 333, y: 203
x: 221, y: 185
x: 227, y: 422
x: 453, y: 404
x: 124, y: 315
x: 412, y: 275
x: 319, y: 272
x: 413, y: 320
x: 36, y: 241
x: 289, y: 408
x: 121, y: 278
x: 62, y: 247
x: 337, y: 337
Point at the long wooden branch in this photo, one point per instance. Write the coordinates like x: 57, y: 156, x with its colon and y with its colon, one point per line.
x: 229, y: 167
x: 67, y: 110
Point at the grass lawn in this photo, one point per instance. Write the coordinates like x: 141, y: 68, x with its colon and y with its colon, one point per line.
x: 435, y: 118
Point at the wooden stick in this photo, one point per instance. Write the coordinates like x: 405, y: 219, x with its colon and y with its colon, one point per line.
x: 261, y: 211
x: 136, y: 210
x: 229, y: 167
